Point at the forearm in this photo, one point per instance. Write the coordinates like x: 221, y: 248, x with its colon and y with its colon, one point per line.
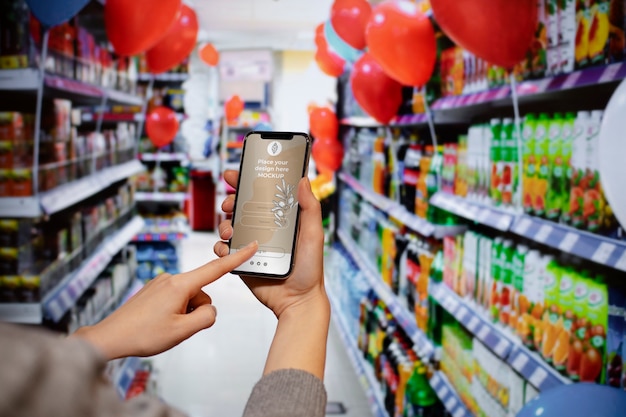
x: 300, y: 339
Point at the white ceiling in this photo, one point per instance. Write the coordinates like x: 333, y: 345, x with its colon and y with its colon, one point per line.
x: 275, y: 24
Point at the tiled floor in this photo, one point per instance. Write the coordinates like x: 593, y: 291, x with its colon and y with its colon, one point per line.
x: 212, y: 373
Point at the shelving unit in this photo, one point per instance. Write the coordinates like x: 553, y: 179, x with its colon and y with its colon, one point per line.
x: 448, y: 396
x: 143, y: 196
x: 362, y: 369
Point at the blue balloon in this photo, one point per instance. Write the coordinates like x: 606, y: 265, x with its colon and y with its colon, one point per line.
x: 347, y: 52
x: 54, y: 12
x: 577, y: 400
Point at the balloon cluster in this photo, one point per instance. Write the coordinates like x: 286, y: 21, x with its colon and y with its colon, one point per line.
x: 327, y: 151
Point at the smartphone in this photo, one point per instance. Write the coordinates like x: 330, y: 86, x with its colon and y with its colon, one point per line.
x: 266, y: 201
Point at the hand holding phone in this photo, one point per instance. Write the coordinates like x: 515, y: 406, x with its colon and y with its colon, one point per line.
x: 266, y: 201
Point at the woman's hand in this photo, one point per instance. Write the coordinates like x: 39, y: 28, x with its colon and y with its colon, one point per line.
x: 166, y: 311
x: 306, y: 282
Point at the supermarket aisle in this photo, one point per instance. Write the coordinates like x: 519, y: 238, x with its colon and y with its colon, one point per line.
x: 213, y: 373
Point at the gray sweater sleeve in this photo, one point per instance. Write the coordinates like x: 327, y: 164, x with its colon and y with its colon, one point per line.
x: 287, y: 393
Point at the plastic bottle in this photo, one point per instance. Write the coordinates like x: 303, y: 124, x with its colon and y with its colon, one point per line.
x: 432, y: 186
x: 495, y: 189
x: 421, y: 398
x: 411, y: 176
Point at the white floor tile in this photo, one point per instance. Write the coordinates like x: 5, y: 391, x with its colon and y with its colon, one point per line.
x: 212, y: 373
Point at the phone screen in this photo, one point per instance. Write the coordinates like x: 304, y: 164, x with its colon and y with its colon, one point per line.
x: 266, y: 204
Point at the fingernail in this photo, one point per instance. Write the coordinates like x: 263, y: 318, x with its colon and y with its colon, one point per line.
x: 214, y: 309
x: 253, y: 243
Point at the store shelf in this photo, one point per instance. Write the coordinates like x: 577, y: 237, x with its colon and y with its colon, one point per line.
x: 58, y: 301
x: 163, y: 157
x: 164, y: 77
x: 107, y: 117
x: 117, y: 301
x: 26, y: 80
x: 159, y: 237
x: 480, y: 213
x: 399, y: 121
x: 596, y: 248
x: 453, y: 102
x: 448, y: 396
x: 23, y: 313
x: 506, y: 346
x: 161, y: 197
x: 362, y: 369
x: 397, y: 211
x: 401, y: 314
x: 59, y: 198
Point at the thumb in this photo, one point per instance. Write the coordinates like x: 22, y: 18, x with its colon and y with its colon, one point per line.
x: 201, y: 318
x: 310, y: 214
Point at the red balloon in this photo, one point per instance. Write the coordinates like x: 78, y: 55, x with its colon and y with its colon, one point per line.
x: 349, y: 18
x: 327, y: 154
x: 161, y: 126
x: 402, y: 40
x: 319, y: 35
x: 135, y: 26
x: 323, y: 123
x: 233, y: 108
x: 329, y: 62
x: 377, y: 93
x: 484, y: 27
x: 177, y: 44
x: 209, y: 55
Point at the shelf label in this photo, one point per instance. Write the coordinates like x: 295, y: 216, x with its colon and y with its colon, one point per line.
x: 435, y: 380
x: 460, y: 315
x: 522, y: 227
x: 450, y: 304
x: 543, y: 233
x: 482, y: 216
x: 568, y: 242
x: 459, y: 412
x: 483, y: 333
x: 602, y: 254
x: 503, y: 223
x: 443, y: 391
x: 451, y: 403
x: 473, y: 324
x: 621, y: 262
x: 609, y: 73
x: 520, y: 361
x: 501, y: 347
x: 538, y: 376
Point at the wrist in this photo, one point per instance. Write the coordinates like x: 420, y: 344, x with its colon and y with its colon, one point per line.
x: 90, y: 335
x: 315, y: 304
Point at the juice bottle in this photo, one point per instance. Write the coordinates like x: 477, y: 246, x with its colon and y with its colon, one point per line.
x: 565, y: 322
x: 542, y: 144
x: 410, y: 176
x: 552, y: 313
x: 583, y: 24
x: 538, y: 49
x: 566, y: 155
x: 519, y: 302
x: 529, y: 298
x: 508, y: 182
x: 599, y: 31
x: 567, y: 34
x: 433, y: 179
x: 592, y: 364
x: 473, y: 151
x: 495, y: 190
x: 421, y: 195
x: 484, y: 176
x: 378, y: 178
x: 496, y: 283
x: 485, y: 257
x: 528, y: 160
x: 553, y: 52
x: 580, y: 328
x: 460, y: 182
x: 578, y: 163
x: 593, y: 201
x: 506, y: 281
x: 554, y: 194
x: 540, y: 308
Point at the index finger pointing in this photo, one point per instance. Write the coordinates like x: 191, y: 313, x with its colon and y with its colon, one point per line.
x: 212, y: 271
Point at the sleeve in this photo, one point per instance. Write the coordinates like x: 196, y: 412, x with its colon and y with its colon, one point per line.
x: 287, y: 393
x: 46, y: 375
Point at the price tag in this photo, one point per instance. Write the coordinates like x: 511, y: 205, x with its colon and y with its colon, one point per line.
x: 621, y: 262
x: 538, y: 376
x: 460, y: 315
x: 483, y: 216
x: 503, y: 223
x: 543, y: 233
x: 501, y: 347
x: 473, y: 324
x: 435, y: 380
x: 602, y: 254
x: 450, y: 304
x: 65, y: 299
x: 443, y: 391
x: 522, y: 227
x: 459, y: 412
x: 451, y: 403
x: 572, y: 79
x: 568, y: 242
x: 520, y: 361
x: 483, y: 332
x: 609, y: 73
